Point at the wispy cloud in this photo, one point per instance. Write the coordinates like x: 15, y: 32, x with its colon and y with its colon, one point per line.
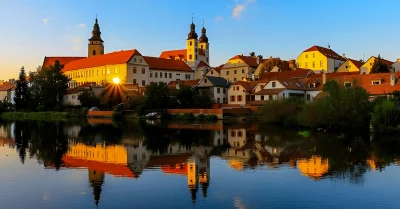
x: 46, y: 20
x: 237, y: 11
x: 82, y: 25
x: 219, y: 19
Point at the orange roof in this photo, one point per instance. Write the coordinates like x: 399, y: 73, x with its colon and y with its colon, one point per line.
x: 269, y: 92
x: 167, y: 64
x: 249, y: 60
x: 357, y: 63
x: 112, y: 58
x: 218, y: 69
x: 63, y: 60
x: 7, y: 86
x: 181, y: 53
x: 387, y: 62
x: 185, y: 82
x: 248, y: 86
x: 298, y: 73
x: 327, y: 52
x: 111, y: 168
x: 203, y: 64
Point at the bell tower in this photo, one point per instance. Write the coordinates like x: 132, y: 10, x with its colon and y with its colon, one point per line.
x: 95, y: 46
x: 192, y: 53
x: 204, y: 45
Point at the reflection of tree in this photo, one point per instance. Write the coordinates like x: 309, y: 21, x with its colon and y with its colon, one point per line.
x: 22, y: 134
x: 386, y: 149
x: 100, y: 133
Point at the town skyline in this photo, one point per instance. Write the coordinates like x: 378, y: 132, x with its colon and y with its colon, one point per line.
x: 62, y: 34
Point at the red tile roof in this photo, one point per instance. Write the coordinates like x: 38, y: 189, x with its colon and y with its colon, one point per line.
x: 357, y: 63
x: 112, y: 58
x: 181, y: 53
x: 249, y: 60
x: 298, y: 73
x: 218, y: 69
x: 269, y: 91
x: 203, y: 64
x: 63, y: 60
x: 248, y: 86
x: 111, y: 168
x: 387, y: 62
x: 167, y: 64
x: 327, y: 52
x: 184, y: 82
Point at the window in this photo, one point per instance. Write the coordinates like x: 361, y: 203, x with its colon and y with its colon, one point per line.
x: 227, y: 72
x: 306, y: 55
x: 312, y: 85
x: 313, y: 55
x: 218, y: 90
x: 97, y: 72
x: 190, y: 56
x: 94, y: 52
x: 143, y: 83
x: 321, y: 63
x: 347, y: 84
x: 187, y: 76
x: 140, y: 60
x: 232, y: 98
x: 239, y: 98
x: 104, y: 71
x: 155, y: 74
x: 178, y: 74
x: 240, y: 134
x: 234, y: 79
x: 191, y: 43
x: 134, y: 59
x: 233, y: 133
x: 273, y: 84
x: 218, y: 100
x: 283, y: 95
x: 243, y: 71
x: 165, y: 75
x: 205, y: 80
x: 115, y: 70
x: 108, y: 71
x: 134, y: 70
x: 270, y: 97
x: 143, y: 71
x: 160, y: 74
x: 201, y: 46
x: 134, y: 81
x: 223, y: 91
x: 170, y: 75
x: 262, y: 97
x: 151, y: 75
x: 376, y: 82
x: 306, y: 65
x: 308, y: 97
x: 313, y: 64
x: 212, y: 72
x: 224, y: 100
x: 73, y: 96
x: 234, y: 72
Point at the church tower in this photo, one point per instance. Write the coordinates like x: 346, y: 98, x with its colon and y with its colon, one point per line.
x: 95, y: 46
x: 192, y: 54
x: 204, y: 45
x: 96, y: 180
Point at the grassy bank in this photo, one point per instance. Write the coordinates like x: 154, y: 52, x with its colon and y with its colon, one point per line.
x: 38, y: 115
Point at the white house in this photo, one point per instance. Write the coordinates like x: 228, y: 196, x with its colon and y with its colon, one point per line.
x: 217, y: 86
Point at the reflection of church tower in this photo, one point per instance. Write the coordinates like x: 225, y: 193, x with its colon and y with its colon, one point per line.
x: 96, y: 180
x: 204, y: 175
x: 193, y: 175
x: 95, y: 46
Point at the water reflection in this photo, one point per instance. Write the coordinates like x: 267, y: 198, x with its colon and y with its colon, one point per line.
x: 131, y: 150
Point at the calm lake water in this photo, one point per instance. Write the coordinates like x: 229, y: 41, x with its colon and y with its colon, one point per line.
x: 146, y: 164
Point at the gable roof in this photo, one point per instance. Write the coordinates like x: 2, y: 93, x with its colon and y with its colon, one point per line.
x: 298, y: 73
x: 48, y: 61
x: 181, y: 53
x: 247, y: 85
x: 218, y: 69
x: 184, y: 82
x: 167, y: 64
x: 7, y: 86
x: 357, y: 63
x: 387, y: 62
x: 219, y: 81
x: 112, y: 58
x: 329, y: 53
x: 203, y: 64
x: 249, y: 60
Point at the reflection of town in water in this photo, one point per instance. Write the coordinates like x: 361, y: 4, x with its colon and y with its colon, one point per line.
x: 185, y: 150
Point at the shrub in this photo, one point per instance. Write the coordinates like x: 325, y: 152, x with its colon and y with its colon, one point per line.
x: 385, y: 115
x: 278, y: 111
x: 211, y: 117
x: 201, y: 116
x: 187, y: 116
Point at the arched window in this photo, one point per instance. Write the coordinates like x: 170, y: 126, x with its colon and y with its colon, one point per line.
x: 94, y: 52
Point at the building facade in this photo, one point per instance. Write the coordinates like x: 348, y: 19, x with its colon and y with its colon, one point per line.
x: 318, y: 58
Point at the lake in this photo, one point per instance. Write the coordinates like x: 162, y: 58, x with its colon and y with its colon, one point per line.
x: 149, y: 164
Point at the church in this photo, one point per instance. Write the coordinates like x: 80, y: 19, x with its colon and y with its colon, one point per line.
x: 131, y: 67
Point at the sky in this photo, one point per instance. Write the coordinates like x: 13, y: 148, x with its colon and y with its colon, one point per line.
x: 31, y: 30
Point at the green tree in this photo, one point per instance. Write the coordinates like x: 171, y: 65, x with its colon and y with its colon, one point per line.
x: 267, y: 65
x: 253, y: 54
x: 379, y: 66
x: 156, y: 96
x: 260, y: 56
x: 88, y: 99
x: 21, y: 97
x: 185, y: 97
x: 385, y: 115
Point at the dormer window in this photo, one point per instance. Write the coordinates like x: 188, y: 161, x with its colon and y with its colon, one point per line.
x: 273, y: 84
x: 376, y: 82
x: 312, y: 85
x: 348, y: 84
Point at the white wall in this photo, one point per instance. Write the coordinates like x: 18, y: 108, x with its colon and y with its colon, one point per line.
x: 71, y: 99
x: 174, y: 75
x: 221, y: 95
x: 312, y: 95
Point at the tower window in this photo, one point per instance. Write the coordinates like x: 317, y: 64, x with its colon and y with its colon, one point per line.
x: 94, y: 52
x: 190, y: 56
x: 196, y: 56
x: 201, y: 46
x: 191, y: 43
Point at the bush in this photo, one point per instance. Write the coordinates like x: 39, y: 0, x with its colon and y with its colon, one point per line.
x: 36, y: 115
x: 281, y: 111
x: 187, y: 116
x: 201, y: 116
x: 385, y: 115
x: 211, y: 117
x: 84, y: 111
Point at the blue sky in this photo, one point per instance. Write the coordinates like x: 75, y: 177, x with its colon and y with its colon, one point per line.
x: 30, y: 30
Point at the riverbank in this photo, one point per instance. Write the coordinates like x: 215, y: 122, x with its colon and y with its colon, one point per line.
x: 41, y: 115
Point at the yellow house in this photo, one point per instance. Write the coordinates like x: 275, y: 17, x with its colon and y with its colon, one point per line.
x: 315, y: 167
x: 350, y: 66
x: 366, y: 67
x: 318, y: 58
x: 240, y: 67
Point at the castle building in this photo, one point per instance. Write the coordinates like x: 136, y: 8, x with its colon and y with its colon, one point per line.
x: 131, y: 67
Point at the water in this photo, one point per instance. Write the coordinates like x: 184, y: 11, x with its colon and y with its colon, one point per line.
x: 99, y: 164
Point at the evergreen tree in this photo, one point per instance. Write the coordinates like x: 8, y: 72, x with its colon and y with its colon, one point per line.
x: 253, y: 54
x: 21, y: 97
x: 379, y: 66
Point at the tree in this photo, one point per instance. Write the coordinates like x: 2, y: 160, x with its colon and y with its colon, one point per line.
x: 379, y: 66
x: 156, y: 96
x: 253, y: 54
x: 267, y: 65
x: 88, y: 99
x: 21, y: 97
x: 260, y: 56
x: 185, y: 97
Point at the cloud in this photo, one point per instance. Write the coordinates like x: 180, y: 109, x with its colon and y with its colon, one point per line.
x: 76, y: 43
x: 46, y: 20
x: 219, y: 19
x: 82, y: 25
x: 237, y: 11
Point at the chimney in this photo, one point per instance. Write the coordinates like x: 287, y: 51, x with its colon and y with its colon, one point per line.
x: 343, y: 55
x: 253, y: 77
x: 258, y: 60
x: 392, y: 79
x: 323, y: 77
x: 292, y: 64
x: 12, y: 81
x: 178, y: 83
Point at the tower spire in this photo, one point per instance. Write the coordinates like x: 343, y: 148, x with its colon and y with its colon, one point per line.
x: 203, y: 22
x: 192, y: 18
x: 192, y: 34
